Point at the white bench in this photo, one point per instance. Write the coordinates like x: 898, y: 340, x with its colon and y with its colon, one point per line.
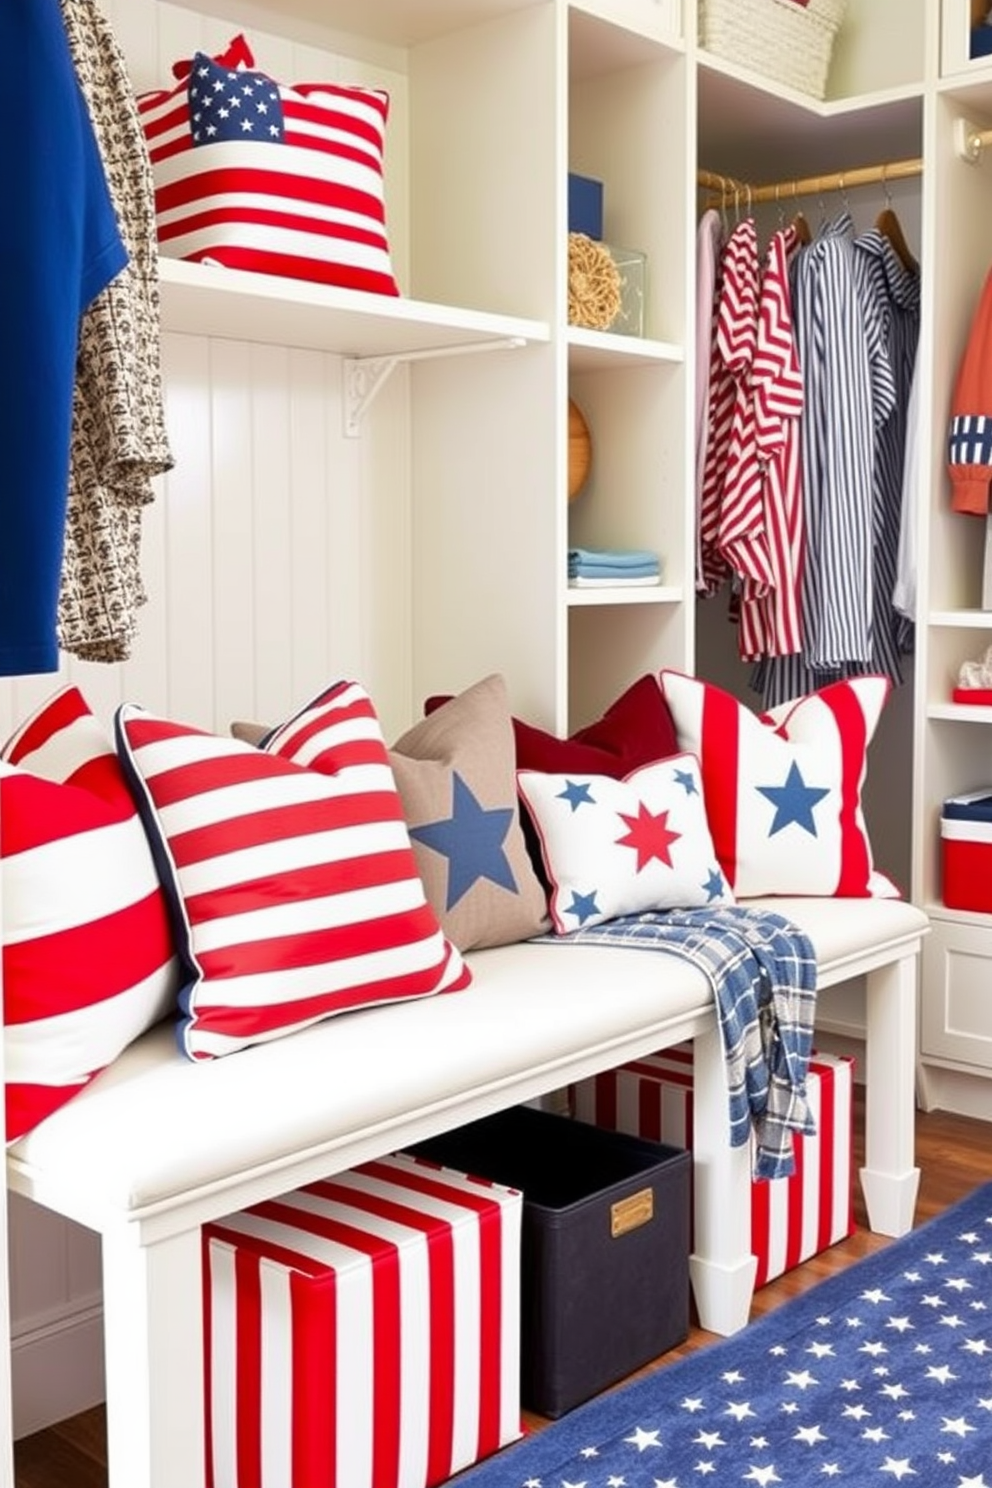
x: 157, y: 1145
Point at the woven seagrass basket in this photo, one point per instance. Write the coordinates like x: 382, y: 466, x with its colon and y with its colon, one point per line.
x: 789, y: 41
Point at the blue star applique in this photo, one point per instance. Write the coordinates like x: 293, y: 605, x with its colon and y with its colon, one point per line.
x: 793, y: 802
x: 576, y: 793
x: 713, y: 887
x: 472, y: 840
x: 583, y: 906
x: 687, y: 781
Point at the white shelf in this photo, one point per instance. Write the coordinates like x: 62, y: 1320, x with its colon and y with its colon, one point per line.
x: 205, y: 301
x: 962, y: 619
x: 645, y: 594
x: 959, y: 713
x: 590, y: 350
x: 938, y: 911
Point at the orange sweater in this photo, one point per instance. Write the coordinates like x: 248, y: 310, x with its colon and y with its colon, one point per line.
x: 969, y: 444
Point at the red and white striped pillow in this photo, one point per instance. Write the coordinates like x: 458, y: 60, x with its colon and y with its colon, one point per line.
x: 305, y: 202
x: 783, y: 788
x: 297, y: 891
x: 88, y: 961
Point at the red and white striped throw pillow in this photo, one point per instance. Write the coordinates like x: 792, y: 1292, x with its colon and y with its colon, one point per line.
x: 783, y: 788
x: 88, y: 961
x: 297, y: 892
x: 253, y: 174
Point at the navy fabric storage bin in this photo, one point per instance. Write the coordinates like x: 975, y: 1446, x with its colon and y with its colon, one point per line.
x: 605, y: 1246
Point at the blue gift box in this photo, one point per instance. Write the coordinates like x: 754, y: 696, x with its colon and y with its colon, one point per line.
x: 585, y: 206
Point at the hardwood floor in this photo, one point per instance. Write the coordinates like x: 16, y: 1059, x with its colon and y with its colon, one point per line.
x: 954, y: 1154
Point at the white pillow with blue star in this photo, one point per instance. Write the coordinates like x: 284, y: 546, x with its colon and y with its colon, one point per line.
x: 616, y: 847
x: 784, y: 788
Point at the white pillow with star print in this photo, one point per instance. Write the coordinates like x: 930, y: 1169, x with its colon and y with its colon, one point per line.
x: 783, y: 789
x: 617, y: 847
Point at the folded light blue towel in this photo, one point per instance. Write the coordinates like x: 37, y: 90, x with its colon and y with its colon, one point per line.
x: 607, y: 571
x: 612, y: 557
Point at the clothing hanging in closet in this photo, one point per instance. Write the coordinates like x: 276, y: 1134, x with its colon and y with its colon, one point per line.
x: 821, y: 351
x: 60, y: 247
x: 119, y: 439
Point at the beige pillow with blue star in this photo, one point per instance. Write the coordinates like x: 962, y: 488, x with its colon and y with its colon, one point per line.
x: 456, y: 775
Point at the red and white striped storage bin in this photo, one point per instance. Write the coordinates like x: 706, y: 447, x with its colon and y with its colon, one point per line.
x: 792, y: 1218
x: 363, y: 1331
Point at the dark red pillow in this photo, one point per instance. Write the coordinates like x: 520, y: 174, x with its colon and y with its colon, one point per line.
x: 635, y: 730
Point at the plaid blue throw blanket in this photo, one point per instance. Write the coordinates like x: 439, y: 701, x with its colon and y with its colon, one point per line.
x: 762, y: 970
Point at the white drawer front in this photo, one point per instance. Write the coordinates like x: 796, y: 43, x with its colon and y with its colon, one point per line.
x: 957, y: 993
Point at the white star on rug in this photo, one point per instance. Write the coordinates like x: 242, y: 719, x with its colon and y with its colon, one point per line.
x: 802, y: 1379
x: 762, y: 1475
x: 958, y: 1427
x: 875, y: 1295
x: 740, y: 1410
x: 709, y: 1439
x: 900, y: 1469
x: 810, y: 1435
x: 642, y: 1439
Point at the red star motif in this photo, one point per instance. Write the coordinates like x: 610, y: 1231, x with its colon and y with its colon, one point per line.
x: 649, y: 836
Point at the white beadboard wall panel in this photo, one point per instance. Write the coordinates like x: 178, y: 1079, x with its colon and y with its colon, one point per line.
x: 272, y: 696
x: 383, y: 591
x: 188, y: 535
x: 232, y: 547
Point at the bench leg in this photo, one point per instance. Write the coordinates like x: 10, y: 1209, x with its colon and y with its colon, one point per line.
x: 889, y: 1179
x: 153, y: 1342
x: 721, y: 1267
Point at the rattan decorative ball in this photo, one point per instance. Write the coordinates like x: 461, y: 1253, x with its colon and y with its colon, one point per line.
x: 593, y: 284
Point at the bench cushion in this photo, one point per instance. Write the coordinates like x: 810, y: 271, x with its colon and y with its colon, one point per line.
x: 155, y: 1128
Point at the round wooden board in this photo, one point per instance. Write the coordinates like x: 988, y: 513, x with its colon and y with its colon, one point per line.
x: 579, y: 449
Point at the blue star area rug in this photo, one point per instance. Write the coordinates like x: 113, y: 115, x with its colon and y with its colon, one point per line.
x: 879, y: 1375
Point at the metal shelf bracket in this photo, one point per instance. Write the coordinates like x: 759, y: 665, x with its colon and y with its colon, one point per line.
x: 364, y: 376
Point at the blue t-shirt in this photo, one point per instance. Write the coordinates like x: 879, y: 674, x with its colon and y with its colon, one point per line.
x: 60, y: 246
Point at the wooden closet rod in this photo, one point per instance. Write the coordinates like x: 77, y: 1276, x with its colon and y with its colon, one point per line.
x: 783, y: 191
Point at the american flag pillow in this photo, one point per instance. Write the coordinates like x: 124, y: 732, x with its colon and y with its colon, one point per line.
x: 783, y: 788
x: 252, y: 174
x: 88, y: 959
x: 296, y: 893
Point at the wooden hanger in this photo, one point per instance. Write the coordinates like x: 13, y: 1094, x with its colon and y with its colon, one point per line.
x: 888, y: 223
x: 802, y: 229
